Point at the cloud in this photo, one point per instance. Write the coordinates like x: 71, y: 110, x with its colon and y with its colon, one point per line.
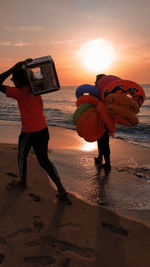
x: 21, y: 43
x: 11, y: 28
x: 60, y: 42
x: 15, y: 44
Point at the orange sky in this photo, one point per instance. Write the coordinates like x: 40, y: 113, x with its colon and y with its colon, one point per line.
x: 61, y: 27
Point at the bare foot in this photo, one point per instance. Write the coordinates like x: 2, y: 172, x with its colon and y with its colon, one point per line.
x: 63, y: 197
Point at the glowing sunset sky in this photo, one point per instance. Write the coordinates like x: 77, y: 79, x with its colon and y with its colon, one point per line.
x: 64, y: 28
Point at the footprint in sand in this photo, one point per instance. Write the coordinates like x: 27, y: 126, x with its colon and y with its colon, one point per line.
x: 115, y: 229
x: 15, y: 185
x: 35, y: 197
x: 41, y: 260
x: 2, y: 256
x: 12, y: 174
x: 37, y: 223
x: 66, y: 262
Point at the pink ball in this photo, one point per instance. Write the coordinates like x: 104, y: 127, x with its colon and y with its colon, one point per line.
x: 105, y: 80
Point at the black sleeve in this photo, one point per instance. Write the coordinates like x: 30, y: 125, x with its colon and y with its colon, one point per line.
x: 3, y: 89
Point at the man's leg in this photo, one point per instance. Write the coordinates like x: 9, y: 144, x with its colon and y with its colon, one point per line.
x: 103, y: 150
x: 24, y: 146
x: 106, y: 149
x: 100, y: 144
x: 40, y: 146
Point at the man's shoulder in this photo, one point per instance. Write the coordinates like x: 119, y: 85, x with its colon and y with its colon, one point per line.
x: 12, y: 92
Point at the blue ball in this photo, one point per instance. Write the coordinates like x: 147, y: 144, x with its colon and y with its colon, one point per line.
x: 87, y: 88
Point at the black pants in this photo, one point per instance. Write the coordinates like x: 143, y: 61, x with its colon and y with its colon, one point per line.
x: 103, y: 148
x: 39, y: 142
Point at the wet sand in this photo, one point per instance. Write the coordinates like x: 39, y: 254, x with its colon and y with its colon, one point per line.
x: 106, y: 226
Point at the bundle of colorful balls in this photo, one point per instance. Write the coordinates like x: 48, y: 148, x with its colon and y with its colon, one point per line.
x: 99, y: 108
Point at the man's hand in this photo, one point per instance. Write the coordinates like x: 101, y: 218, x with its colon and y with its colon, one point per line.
x: 15, y: 68
x: 19, y: 65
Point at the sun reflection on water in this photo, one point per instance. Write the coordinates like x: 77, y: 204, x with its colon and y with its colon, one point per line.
x: 89, y: 146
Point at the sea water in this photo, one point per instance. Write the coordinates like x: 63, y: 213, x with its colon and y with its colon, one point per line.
x: 59, y: 107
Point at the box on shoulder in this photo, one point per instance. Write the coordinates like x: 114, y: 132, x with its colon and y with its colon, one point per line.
x: 42, y: 76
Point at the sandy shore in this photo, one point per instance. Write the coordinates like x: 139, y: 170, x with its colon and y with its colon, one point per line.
x: 38, y: 230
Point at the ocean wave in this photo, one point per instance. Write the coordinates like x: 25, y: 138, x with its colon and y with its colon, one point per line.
x: 60, y: 106
x: 146, y: 106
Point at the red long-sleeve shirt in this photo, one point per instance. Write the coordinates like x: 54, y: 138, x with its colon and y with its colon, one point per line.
x: 31, y: 108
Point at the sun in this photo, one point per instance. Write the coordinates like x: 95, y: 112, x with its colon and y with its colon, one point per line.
x: 97, y: 55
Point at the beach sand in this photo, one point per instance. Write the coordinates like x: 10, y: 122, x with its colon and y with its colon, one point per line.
x: 110, y: 230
